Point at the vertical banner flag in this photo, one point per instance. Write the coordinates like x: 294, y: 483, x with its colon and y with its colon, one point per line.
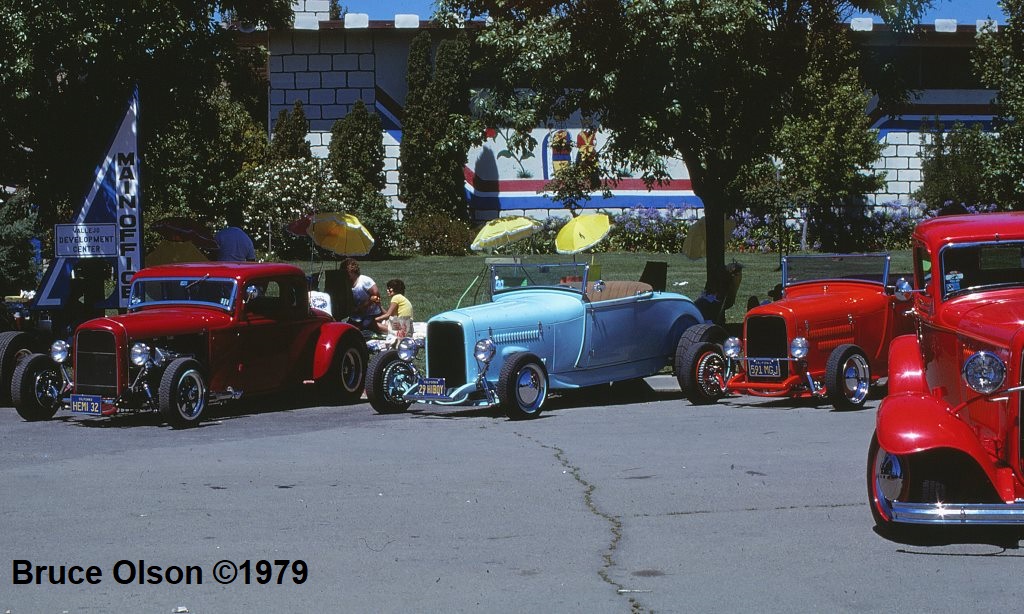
x: 108, y: 223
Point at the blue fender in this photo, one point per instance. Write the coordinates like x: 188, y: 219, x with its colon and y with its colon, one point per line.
x: 909, y: 423
x: 906, y: 370
x: 330, y: 335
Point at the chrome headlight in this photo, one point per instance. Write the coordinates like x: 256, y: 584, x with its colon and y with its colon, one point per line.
x: 732, y: 348
x: 484, y: 350
x: 407, y: 349
x: 139, y: 354
x: 59, y: 351
x: 984, y: 372
x: 798, y: 348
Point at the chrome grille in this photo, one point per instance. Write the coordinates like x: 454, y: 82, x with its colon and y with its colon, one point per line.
x: 96, y: 363
x: 446, y: 352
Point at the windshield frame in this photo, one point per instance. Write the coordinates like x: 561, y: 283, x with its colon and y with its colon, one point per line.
x: 182, y: 280
x: 556, y: 273
x: 884, y: 258
x: 948, y: 292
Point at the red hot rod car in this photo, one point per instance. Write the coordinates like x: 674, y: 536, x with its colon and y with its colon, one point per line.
x: 948, y: 445
x: 195, y: 334
x: 827, y: 336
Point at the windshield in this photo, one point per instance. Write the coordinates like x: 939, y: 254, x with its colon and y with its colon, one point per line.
x: 861, y: 267
x: 979, y: 266
x: 192, y: 290
x: 506, y: 277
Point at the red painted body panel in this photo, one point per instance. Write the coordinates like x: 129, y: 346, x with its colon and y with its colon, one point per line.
x: 240, y: 349
x: 830, y: 314
x: 930, y: 405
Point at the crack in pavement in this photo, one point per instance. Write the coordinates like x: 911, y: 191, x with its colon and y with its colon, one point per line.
x: 608, y: 557
x: 780, y: 508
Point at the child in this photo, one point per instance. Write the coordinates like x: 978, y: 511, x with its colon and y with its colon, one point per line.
x: 399, y: 308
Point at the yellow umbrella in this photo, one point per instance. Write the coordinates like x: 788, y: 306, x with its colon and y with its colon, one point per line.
x: 171, y: 252
x: 504, y: 230
x: 695, y: 243
x: 342, y: 233
x: 582, y: 232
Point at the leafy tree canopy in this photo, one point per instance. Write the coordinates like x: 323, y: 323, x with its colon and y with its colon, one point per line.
x: 709, y: 82
x: 69, y: 68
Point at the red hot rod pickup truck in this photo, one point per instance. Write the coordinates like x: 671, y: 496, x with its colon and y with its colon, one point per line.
x: 948, y: 447
x: 194, y: 335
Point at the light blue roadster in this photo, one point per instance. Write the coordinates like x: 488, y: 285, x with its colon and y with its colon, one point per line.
x: 548, y: 327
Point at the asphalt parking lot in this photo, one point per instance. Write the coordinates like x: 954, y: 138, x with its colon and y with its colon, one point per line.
x: 626, y: 500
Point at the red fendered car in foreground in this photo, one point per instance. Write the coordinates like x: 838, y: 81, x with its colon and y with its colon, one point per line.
x: 195, y: 335
x: 947, y: 448
x: 827, y: 336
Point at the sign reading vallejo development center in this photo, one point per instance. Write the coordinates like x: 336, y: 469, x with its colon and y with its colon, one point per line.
x: 86, y: 240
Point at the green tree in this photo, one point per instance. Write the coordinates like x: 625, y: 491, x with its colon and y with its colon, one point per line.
x: 18, y: 268
x: 708, y: 82
x: 825, y: 145
x: 437, y: 129
x: 356, y: 161
x: 953, y: 162
x: 414, y: 157
x: 289, y: 140
x: 999, y: 60
x: 70, y: 66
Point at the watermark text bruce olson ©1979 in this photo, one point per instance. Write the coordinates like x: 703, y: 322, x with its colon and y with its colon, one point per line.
x: 278, y: 571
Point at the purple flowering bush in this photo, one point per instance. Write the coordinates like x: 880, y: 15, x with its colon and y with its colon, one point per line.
x: 643, y: 229
x: 760, y: 233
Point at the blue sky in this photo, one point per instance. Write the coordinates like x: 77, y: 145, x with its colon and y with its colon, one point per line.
x: 964, y: 11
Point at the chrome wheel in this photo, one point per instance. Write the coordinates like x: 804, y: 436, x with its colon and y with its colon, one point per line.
x: 191, y: 395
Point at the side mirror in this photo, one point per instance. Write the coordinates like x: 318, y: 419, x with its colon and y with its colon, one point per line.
x: 251, y: 292
x: 598, y: 286
x: 904, y: 290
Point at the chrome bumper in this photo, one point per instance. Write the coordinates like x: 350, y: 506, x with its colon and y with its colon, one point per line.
x: 959, y: 513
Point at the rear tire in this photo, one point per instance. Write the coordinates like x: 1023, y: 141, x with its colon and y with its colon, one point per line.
x: 14, y: 348
x: 345, y: 379
x: 36, y: 388
x: 183, y: 393
x: 386, y: 378
x: 522, y: 386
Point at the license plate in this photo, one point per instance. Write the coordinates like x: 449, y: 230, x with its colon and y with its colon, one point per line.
x: 431, y: 387
x: 87, y: 404
x: 763, y: 367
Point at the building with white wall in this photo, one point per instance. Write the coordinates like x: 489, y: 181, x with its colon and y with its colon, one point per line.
x: 330, y: 64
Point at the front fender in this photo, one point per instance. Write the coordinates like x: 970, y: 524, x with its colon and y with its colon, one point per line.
x: 910, y: 423
x: 330, y: 336
x: 906, y: 372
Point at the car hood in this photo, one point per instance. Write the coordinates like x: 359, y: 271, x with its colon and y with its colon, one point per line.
x: 162, y: 322
x: 520, y: 308
x: 826, y: 302
x: 996, y: 319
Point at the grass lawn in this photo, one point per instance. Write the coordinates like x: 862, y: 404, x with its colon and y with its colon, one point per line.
x: 436, y: 283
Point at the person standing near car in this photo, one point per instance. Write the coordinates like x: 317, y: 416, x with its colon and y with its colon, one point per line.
x: 233, y: 244
x: 365, y: 296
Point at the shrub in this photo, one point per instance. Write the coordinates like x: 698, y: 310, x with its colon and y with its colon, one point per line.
x: 760, y: 233
x: 643, y: 229
x: 435, y: 234
x: 18, y: 267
